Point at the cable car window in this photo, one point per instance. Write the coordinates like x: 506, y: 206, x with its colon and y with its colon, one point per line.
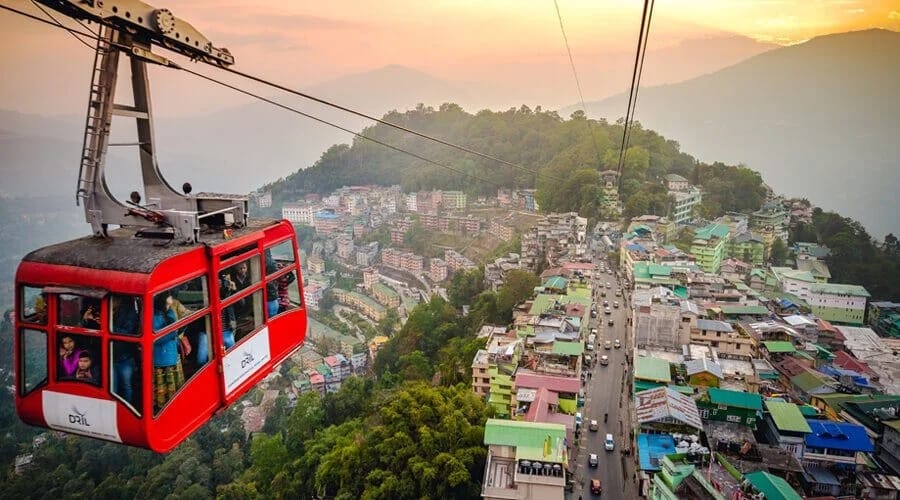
x: 286, y: 292
x: 33, y: 305
x: 78, y: 311
x: 34, y: 359
x: 282, y: 253
x: 242, y: 318
x: 239, y: 251
x: 126, y: 373
x: 179, y: 302
x: 176, y: 360
x: 79, y: 358
x: 125, y: 314
x: 241, y: 275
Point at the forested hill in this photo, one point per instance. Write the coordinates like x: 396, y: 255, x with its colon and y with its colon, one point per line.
x: 561, y: 158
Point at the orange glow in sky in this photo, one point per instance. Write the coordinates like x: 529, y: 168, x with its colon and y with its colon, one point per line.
x: 306, y: 43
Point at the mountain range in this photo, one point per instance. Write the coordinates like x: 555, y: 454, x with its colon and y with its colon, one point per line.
x: 819, y: 120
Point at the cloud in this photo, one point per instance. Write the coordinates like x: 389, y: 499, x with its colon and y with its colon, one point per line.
x: 894, y: 15
x: 307, y: 22
x: 856, y: 11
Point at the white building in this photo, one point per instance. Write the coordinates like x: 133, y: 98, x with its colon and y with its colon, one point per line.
x: 299, y: 213
x: 312, y: 294
x: 411, y: 204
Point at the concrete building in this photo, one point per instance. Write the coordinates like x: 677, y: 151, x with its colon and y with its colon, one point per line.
x: 675, y: 182
x: 360, y: 302
x: 500, y: 230
x: 299, y: 213
x: 524, y: 460
x: 793, y: 281
x: 438, y: 270
x: 327, y: 222
x: 748, y: 247
x: 385, y: 295
x: 709, y: 246
x: 685, y: 202
x: 366, y: 254
x: 371, y: 276
x: 312, y: 294
x: 453, y: 200
x: 345, y: 247
x: 316, y: 265
x: 836, y: 303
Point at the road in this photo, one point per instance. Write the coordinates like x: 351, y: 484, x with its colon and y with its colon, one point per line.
x: 604, y: 394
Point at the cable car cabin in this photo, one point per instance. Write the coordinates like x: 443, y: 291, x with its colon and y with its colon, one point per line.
x: 140, y: 341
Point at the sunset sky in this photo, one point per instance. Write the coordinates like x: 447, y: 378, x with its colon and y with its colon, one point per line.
x: 305, y: 43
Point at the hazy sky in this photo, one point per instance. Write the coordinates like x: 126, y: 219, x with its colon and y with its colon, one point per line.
x: 302, y: 43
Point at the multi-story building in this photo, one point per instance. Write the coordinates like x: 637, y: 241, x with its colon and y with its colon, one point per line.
x: 456, y: 261
x: 772, y: 220
x: 366, y: 254
x: 312, y: 294
x: 514, y: 470
x: 438, y: 270
x: 412, y: 263
x: 748, y: 247
x: 709, y: 247
x: 453, y: 200
x: 722, y: 337
x: 411, y: 202
x: 685, y: 201
x: 299, y: 213
x: 316, y: 265
x: 884, y: 318
x: 390, y: 257
x: 345, y: 248
x: 500, y: 230
x: 327, y: 222
x: 793, y: 281
x: 397, y: 236
x: 360, y: 302
x: 370, y: 277
x: 384, y: 295
x: 836, y: 303
x: 264, y: 200
x: 675, y: 182
x: 610, y: 207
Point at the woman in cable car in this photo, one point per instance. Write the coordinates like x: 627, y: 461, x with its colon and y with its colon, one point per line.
x: 141, y: 341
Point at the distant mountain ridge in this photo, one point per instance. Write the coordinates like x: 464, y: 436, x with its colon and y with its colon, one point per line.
x: 818, y: 119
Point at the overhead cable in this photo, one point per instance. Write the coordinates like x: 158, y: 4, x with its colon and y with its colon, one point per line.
x: 577, y: 83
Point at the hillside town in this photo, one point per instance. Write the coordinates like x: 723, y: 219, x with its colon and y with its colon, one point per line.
x: 737, y: 376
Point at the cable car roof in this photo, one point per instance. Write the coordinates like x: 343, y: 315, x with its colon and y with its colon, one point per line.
x: 122, y: 251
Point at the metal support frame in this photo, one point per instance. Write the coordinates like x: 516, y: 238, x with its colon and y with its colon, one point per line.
x: 182, y: 212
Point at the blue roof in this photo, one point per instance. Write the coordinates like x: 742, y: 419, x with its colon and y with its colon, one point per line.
x: 326, y: 215
x: 838, y: 436
x: 652, y: 448
x: 636, y: 247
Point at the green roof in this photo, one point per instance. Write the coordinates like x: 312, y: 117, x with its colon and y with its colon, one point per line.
x: 737, y: 399
x: 787, y: 417
x: 773, y: 487
x: 809, y: 411
x: 643, y: 385
x: 779, y: 346
x: 568, y: 348
x: 653, y: 369
x: 749, y: 310
x: 532, y: 440
x: 544, y: 301
x: 808, y: 381
x: 713, y: 230
x: 556, y: 282
x: 803, y: 355
x: 839, y: 289
x: 684, y: 389
x: 647, y: 270
x: 386, y: 290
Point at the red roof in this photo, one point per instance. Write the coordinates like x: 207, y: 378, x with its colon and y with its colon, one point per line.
x: 584, y: 266
x: 531, y: 380
x: 790, y: 367
x: 848, y: 362
x: 540, y: 407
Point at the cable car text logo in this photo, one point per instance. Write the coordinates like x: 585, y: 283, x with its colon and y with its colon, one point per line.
x: 78, y: 417
x: 247, y: 360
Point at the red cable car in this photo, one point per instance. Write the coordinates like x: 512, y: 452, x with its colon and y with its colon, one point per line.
x: 131, y: 341
x: 140, y: 334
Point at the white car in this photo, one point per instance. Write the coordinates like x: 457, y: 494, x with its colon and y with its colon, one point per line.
x: 604, y: 360
x: 618, y: 344
x: 594, y: 425
x: 590, y: 346
x: 593, y: 460
x: 608, y: 443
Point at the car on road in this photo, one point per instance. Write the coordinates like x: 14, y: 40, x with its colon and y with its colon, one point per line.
x: 607, y: 311
x: 608, y: 443
x: 618, y: 344
x: 610, y: 322
x: 603, y: 293
x: 618, y: 293
x: 590, y: 346
x: 594, y: 313
x: 596, y: 487
x: 593, y: 460
x: 607, y: 345
x: 608, y: 286
x: 616, y: 304
x: 605, y: 303
x: 594, y: 425
x: 578, y: 419
x: 604, y: 360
